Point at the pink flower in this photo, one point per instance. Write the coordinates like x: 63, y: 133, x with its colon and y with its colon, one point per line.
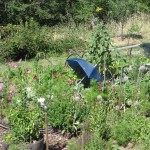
x: 106, y: 83
x: 100, y: 89
x: 15, y: 65
x: 69, y: 81
x: 9, y: 98
x: 1, y: 100
x: 9, y: 92
x: 9, y: 103
x: 1, y: 86
x: 28, y: 71
x: 55, y: 75
x: 113, y: 88
x: 62, y: 75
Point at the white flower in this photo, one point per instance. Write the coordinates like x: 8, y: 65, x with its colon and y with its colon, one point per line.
x: 41, y: 101
x: 29, y: 89
x: 77, y: 96
x: 137, y: 103
x: 52, y: 96
x: 117, y: 108
x: 30, y: 92
x: 129, y: 102
x: 125, y: 79
x: 99, y: 98
x: 45, y: 107
x: 142, y: 68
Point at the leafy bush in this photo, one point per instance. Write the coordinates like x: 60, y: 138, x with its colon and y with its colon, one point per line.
x: 24, y: 123
x: 96, y: 142
x: 25, y: 43
x: 134, y: 128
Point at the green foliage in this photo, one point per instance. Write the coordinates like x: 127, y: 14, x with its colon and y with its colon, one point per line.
x: 98, y: 117
x: 96, y: 142
x: 67, y: 114
x: 134, y: 128
x: 25, y: 43
x: 24, y: 123
x: 121, y: 11
x: 143, y: 6
x: 122, y: 133
x: 58, y: 11
x: 99, y: 52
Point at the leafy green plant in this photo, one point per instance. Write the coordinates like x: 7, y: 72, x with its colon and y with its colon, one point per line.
x: 24, y: 123
x: 134, y: 129
x: 99, y: 52
x: 25, y: 43
x: 96, y: 142
x: 122, y: 133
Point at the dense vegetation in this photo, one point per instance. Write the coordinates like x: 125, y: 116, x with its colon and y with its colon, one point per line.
x: 52, y: 12
x: 106, y: 115
x: 25, y: 31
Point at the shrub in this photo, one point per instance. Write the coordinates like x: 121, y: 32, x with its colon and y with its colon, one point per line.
x: 25, y: 43
x: 133, y: 128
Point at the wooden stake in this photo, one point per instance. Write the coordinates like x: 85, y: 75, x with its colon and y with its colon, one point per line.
x: 46, y: 130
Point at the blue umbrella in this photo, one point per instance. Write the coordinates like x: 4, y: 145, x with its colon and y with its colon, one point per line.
x: 84, y: 69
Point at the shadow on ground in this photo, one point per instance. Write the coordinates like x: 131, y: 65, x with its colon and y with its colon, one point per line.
x: 146, y: 48
x: 134, y: 36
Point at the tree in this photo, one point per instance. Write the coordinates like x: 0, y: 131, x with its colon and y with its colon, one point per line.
x: 121, y: 10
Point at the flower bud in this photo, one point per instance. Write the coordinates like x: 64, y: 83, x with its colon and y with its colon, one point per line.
x: 117, y: 108
x: 137, y: 103
x: 125, y: 79
x: 142, y: 68
x: 99, y: 98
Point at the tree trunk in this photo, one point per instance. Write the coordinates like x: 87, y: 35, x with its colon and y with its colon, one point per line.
x: 68, y: 10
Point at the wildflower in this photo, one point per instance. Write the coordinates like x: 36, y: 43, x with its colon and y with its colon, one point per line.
x: 100, y: 89
x: 35, y: 77
x: 15, y: 65
x: 30, y: 92
x: 113, y: 88
x: 70, y: 81
x: 55, y: 75
x: 77, y: 96
x: 1, y: 86
x: 142, y: 68
x: 129, y: 102
x: 9, y: 92
x: 45, y: 107
x: 28, y: 71
x: 106, y: 83
x: 62, y: 75
x: 1, y: 100
x: 9, y: 98
x: 98, y: 9
x: 41, y: 101
x: 29, y: 89
x: 137, y: 104
x: 9, y: 103
x: 99, y: 98
x: 117, y: 108
x: 125, y: 79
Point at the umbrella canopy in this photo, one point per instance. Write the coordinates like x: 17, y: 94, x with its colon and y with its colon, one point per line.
x: 84, y: 68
